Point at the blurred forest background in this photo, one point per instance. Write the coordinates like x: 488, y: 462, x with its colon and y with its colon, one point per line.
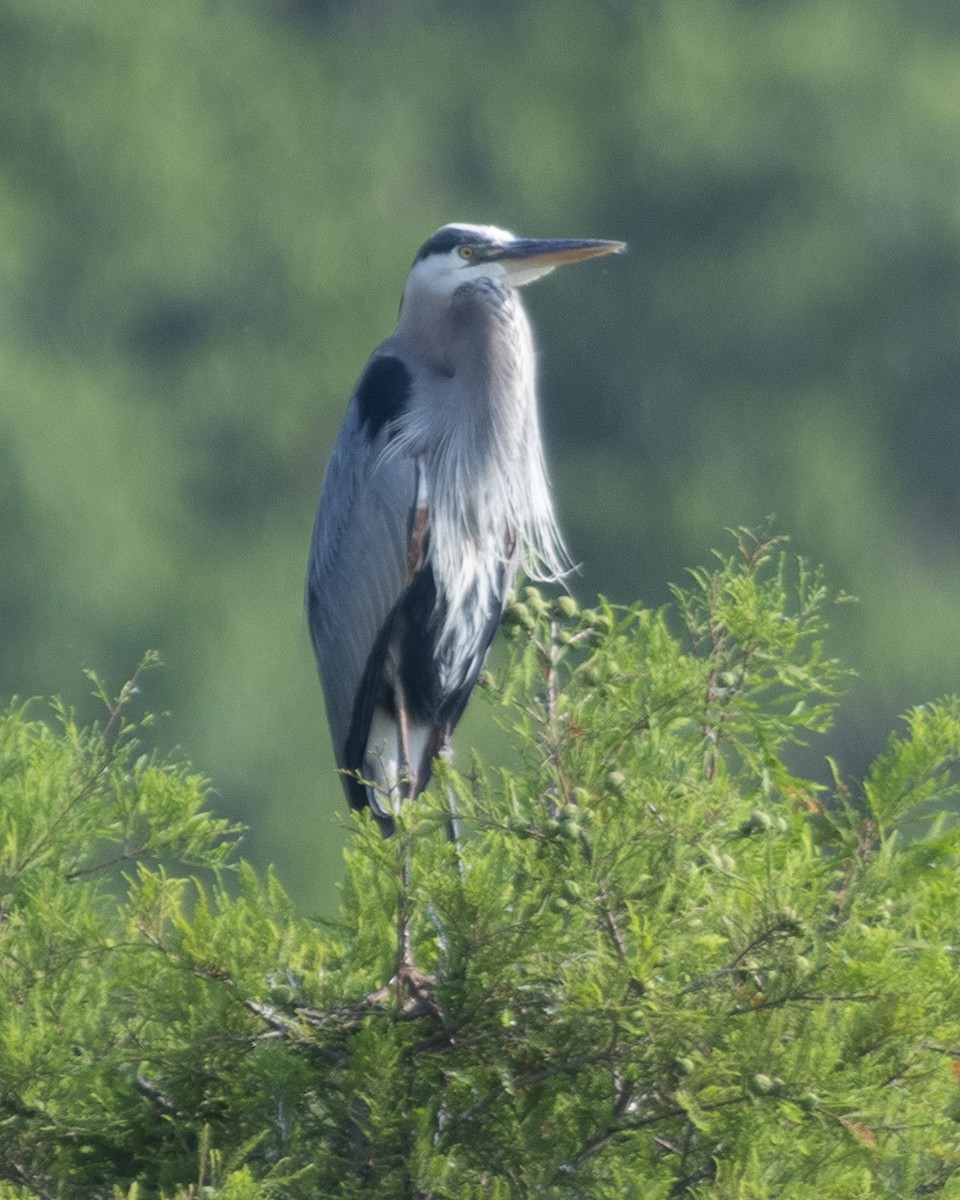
x: 208, y: 208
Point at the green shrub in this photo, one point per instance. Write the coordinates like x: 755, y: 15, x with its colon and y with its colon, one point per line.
x: 662, y: 963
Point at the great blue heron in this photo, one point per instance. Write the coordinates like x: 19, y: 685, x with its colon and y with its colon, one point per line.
x: 434, y: 496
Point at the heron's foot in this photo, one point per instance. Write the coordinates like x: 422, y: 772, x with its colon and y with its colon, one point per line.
x: 413, y: 991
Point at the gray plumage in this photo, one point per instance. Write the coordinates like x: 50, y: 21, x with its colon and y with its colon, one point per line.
x: 435, y: 495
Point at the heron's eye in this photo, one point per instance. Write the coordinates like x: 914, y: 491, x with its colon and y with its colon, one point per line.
x: 467, y: 252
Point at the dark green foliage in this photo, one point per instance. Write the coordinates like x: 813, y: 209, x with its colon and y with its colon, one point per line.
x: 664, y: 963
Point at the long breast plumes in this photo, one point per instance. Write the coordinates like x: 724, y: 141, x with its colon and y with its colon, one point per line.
x: 479, y: 439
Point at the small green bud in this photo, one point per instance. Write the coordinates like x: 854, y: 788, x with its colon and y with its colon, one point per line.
x: 761, y: 1085
x: 684, y: 1065
x: 758, y: 822
x: 521, y: 615
x: 281, y: 993
x: 534, y: 598
x: 567, y: 607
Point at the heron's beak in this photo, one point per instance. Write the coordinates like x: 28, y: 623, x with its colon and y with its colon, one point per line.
x: 526, y: 259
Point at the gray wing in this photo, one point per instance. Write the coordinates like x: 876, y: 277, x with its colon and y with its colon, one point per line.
x: 358, y: 559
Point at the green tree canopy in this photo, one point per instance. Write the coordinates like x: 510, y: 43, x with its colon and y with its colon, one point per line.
x: 663, y: 963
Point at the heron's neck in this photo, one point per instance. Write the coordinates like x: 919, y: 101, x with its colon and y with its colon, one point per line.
x: 484, y: 456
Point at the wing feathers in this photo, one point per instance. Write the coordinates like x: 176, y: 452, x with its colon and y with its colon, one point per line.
x: 398, y: 651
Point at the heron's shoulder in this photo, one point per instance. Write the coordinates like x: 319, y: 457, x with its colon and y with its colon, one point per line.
x: 383, y: 390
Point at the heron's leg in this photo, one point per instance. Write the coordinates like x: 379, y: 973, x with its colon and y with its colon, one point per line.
x: 453, y: 820
x: 412, y: 989
x: 408, y: 771
x: 406, y: 783
x: 404, y: 942
x: 406, y: 974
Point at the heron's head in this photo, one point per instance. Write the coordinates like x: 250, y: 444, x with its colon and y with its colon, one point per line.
x: 458, y: 254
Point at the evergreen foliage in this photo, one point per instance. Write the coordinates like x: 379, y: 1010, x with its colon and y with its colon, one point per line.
x: 664, y: 963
